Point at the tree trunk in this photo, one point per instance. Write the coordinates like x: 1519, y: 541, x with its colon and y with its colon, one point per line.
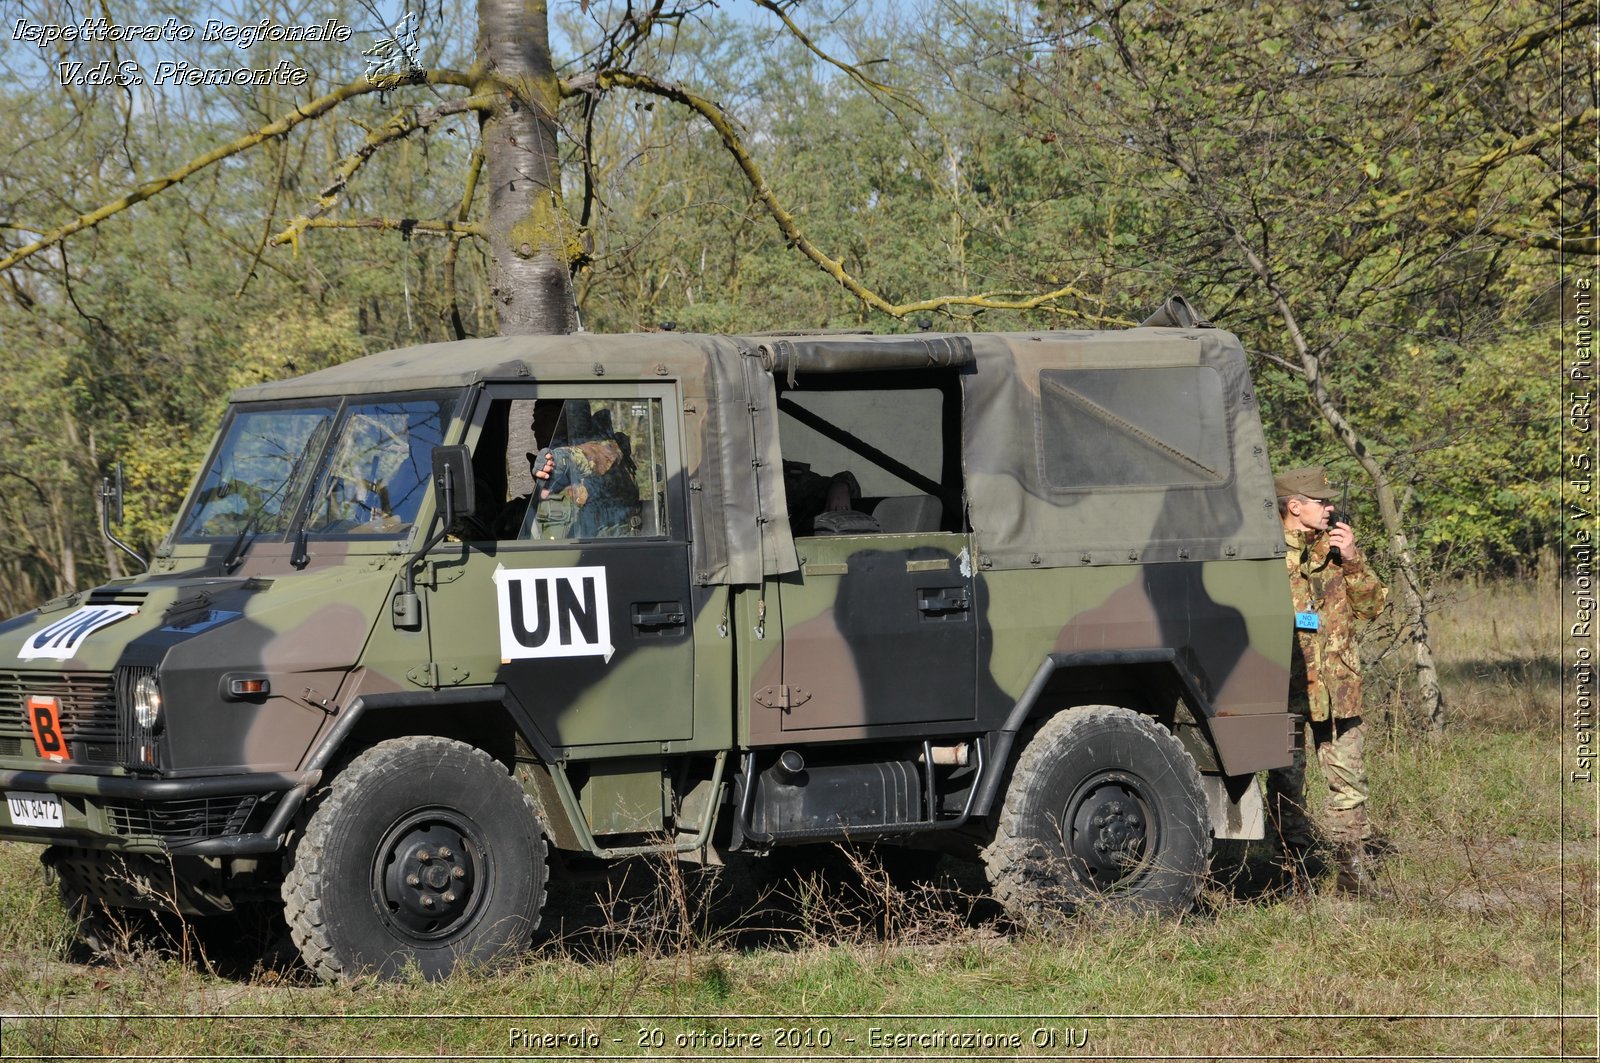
x: 532, y: 242
x: 1416, y: 612
x: 1405, y: 562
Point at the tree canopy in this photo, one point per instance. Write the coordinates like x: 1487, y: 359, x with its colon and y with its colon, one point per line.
x: 1375, y: 197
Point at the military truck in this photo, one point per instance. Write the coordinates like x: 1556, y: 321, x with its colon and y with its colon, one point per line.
x: 381, y: 674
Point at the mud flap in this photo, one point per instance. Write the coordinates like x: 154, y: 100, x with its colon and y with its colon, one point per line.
x: 1242, y: 817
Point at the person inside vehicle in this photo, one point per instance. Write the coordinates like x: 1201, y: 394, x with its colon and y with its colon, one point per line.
x: 824, y: 505
x: 587, y: 464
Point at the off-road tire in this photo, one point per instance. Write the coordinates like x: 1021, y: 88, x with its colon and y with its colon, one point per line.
x: 422, y: 852
x: 1105, y: 806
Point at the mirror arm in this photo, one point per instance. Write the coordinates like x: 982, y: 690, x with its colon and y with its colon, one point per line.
x: 406, y: 611
x: 111, y: 495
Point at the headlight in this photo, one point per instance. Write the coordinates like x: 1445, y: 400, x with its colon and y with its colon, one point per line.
x: 147, y: 702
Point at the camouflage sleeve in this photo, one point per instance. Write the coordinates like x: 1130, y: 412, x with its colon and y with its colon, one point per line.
x: 1364, y: 591
x: 563, y: 473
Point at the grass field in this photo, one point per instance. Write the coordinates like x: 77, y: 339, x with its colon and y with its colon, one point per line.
x: 1489, y: 942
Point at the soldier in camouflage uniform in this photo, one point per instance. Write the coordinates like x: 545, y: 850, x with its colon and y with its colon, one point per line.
x: 1332, y: 589
x: 598, y: 478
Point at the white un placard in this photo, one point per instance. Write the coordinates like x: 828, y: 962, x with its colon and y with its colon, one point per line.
x: 553, y: 612
x: 61, y: 639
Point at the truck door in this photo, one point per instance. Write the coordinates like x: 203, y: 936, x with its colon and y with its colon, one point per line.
x: 879, y: 624
x: 577, y: 602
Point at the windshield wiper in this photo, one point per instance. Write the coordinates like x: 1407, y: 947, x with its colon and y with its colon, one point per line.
x: 236, y: 551
x: 246, y: 536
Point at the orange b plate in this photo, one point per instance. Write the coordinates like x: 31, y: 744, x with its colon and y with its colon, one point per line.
x: 47, y: 737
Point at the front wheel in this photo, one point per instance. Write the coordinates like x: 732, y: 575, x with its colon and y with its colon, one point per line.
x: 1105, y: 805
x: 421, y: 852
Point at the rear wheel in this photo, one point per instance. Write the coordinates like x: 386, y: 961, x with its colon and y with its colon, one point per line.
x: 423, y: 852
x: 1104, y: 806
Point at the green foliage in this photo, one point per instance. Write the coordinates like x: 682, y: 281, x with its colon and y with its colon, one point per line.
x: 1385, y: 160
x: 1486, y: 463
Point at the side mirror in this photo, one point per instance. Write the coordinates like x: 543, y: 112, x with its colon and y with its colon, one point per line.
x: 453, y: 497
x: 111, y: 496
x: 453, y: 487
x: 111, y: 513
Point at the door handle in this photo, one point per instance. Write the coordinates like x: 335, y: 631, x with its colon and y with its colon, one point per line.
x: 652, y: 617
x: 944, y: 600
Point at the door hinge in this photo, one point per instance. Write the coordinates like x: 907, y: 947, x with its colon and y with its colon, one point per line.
x: 435, y: 675
x: 782, y: 697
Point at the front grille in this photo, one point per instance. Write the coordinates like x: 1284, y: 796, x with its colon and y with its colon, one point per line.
x: 201, y: 817
x: 87, y: 712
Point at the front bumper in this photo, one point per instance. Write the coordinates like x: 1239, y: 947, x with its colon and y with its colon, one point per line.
x: 218, y: 815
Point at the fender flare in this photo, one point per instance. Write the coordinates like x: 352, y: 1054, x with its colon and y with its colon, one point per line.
x: 272, y: 834
x: 1004, y: 739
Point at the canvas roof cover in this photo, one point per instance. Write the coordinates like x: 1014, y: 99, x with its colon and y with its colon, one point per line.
x: 1077, y: 447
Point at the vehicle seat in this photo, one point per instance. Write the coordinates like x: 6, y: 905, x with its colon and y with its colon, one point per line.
x: 908, y: 513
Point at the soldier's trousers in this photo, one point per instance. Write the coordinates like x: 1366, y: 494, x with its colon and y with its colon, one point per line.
x: 1340, y: 746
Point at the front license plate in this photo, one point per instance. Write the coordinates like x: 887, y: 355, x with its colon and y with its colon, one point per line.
x: 35, y: 810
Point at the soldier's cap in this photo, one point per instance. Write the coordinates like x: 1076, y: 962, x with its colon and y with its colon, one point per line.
x: 1311, y: 481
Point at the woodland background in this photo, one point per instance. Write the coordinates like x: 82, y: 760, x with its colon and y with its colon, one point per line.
x: 1387, y: 186
x: 1381, y: 197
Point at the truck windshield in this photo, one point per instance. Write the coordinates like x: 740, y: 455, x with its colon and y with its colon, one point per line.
x: 358, y: 469
x: 379, y: 467
x: 248, y: 483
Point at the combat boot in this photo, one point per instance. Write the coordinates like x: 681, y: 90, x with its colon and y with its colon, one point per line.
x: 1355, y: 873
x: 1379, y: 848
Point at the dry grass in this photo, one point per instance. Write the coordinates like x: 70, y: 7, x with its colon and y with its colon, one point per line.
x: 1494, y: 915
x: 1497, y: 649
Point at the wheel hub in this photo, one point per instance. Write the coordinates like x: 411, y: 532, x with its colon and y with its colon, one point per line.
x: 428, y: 881
x: 1110, y: 832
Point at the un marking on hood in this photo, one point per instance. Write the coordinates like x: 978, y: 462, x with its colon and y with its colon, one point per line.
x: 61, y: 640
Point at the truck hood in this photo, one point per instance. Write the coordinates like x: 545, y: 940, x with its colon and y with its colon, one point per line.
x: 306, y: 621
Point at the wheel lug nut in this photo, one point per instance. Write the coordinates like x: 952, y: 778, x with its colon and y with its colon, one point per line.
x: 448, y: 897
x: 445, y: 853
x: 458, y: 872
x: 427, y: 902
x: 424, y: 855
x: 412, y: 880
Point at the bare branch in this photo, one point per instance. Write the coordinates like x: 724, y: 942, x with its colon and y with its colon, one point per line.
x: 260, y: 252
x: 401, y: 125
x: 834, y: 268
x: 1281, y: 363
x: 277, y: 128
x: 1477, y: 168
x: 474, y: 170
x: 407, y: 227
x: 850, y: 70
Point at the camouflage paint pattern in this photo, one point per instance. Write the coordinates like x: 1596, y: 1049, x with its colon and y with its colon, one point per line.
x: 1325, y: 680
x: 1341, y: 753
x: 1325, y: 690
x: 854, y: 637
